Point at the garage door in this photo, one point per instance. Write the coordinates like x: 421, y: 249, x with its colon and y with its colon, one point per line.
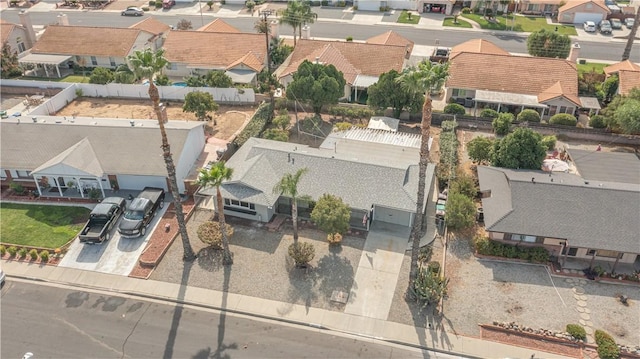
x: 140, y: 182
x: 581, y: 17
x: 390, y: 215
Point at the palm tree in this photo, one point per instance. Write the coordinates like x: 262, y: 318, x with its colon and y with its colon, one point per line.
x: 291, y: 16
x: 306, y: 16
x: 632, y: 35
x: 146, y: 64
x: 215, y: 176
x: 288, y: 186
x: 426, y: 78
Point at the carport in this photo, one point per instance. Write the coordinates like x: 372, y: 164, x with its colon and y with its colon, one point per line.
x: 590, y: 103
x: 44, y: 61
x: 506, y: 99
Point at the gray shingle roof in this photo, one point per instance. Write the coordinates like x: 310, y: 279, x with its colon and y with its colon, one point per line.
x: 259, y: 164
x: 601, y: 215
x: 118, y: 147
x: 607, y: 166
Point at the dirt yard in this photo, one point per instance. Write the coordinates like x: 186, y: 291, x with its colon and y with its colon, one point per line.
x: 226, y: 121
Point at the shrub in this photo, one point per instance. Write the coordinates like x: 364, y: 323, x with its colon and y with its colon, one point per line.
x: 576, y: 331
x: 16, y: 188
x: 324, y: 2
x: 209, y: 233
x: 428, y: 288
x: 349, y: 38
x: 502, y: 124
x: 563, y: 119
x: 256, y: 125
x: 342, y: 3
x: 158, y: 3
x: 343, y: 126
x: 489, y: 113
x: 500, y: 12
x: 539, y: 254
x: 33, y: 254
x: 152, y: 2
x: 425, y: 254
x: 549, y: 142
x: 607, y: 347
x: 12, y: 251
x: 302, y: 253
x: 434, y: 267
x: 44, y: 255
x: 145, y: 8
x: 3, y: 250
x: 22, y: 252
x: 101, y: 75
x: 464, y: 184
x: 466, y: 10
x: 454, y: 109
x: 335, y: 238
x: 598, y: 121
x: 529, y: 115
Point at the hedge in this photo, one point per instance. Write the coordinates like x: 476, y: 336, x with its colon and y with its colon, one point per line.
x: 576, y: 331
x: 489, y: 113
x: 256, y: 125
x: 598, y: 121
x: 564, y: 119
x: 607, y: 347
x: 454, y: 109
x: 485, y: 246
x: 528, y: 115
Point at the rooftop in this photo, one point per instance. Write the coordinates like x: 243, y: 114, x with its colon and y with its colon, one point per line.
x: 607, y: 166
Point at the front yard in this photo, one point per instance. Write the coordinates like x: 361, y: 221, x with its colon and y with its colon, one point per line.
x: 520, y: 23
x: 40, y: 225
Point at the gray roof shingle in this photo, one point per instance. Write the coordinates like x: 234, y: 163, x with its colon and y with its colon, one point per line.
x: 607, y: 166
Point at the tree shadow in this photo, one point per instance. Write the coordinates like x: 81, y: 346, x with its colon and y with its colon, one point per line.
x: 210, y: 259
x: 302, y: 287
x: 221, y: 349
x: 177, y: 312
x: 336, y: 273
x: 429, y: 320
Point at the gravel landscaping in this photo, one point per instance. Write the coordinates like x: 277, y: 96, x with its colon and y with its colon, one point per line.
x: 262, y: 267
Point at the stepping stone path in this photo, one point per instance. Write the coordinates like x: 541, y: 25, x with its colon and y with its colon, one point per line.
x: 581, y: 306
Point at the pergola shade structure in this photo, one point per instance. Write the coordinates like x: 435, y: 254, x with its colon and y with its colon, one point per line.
x: 45, y: 60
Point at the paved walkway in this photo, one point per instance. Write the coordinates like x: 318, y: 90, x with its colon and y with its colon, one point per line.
x: 319, y: 319
x: 377, y: 274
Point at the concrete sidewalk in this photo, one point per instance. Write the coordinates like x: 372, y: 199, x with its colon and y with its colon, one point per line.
x: 313, y: 317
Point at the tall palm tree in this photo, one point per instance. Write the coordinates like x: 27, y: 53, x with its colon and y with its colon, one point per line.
x: 215, y: 176
x: 288, y: 186
x: 291, y: 16
x: 425, y: 78
x: 147, y: 64
x: 632, y: 35
x: 306, y: 16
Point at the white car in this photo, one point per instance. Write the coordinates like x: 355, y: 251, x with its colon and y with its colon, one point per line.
x: 589, y: 26
x: 628, y: 22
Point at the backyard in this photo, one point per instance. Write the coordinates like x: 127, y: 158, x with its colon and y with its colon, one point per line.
x: 520, y: 23
x: 40, y: 226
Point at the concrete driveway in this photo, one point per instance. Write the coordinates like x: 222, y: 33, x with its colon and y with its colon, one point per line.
x: 117, y: 256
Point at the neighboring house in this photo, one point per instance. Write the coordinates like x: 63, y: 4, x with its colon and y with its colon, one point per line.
x: 570, y: 216
x: 241, y: 55
x: 628, y: 75
x: 538, y: 7
x: 62, y: 156
x: 155, y: 27
x: 579, y: 11
x: 360, y: 63
x: 392, y: 38
x: 375, y: 172
x: 376, y: 5
x: 484, y: 76
x: 17, y: 36
x: 219, y: 25
x: 62, y: 47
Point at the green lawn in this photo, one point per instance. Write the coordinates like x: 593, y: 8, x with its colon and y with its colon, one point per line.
x: 75, y: 78
x: 448, y: 21
x: 598, y: 67
x: 405, y: 19
x: 40, y: 226
x: 522, y: 24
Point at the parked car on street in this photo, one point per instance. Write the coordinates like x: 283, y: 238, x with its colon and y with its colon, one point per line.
x: 616, y: 24
x: 605, y: 27
x: 140, y: 212
x: 589, y: 26
x: 628, y: 22
x: 132, y: 11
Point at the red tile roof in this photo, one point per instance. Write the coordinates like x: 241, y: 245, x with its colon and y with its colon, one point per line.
x: 628, y: 81
x: 391, y: 38
x: 622, y: 65
x: 218, y: 25
x: 479, y: 46
x: 151, y: 25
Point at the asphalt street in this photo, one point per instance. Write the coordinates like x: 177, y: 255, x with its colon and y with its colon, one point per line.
x: 611, y: 51
x: 63, y: 322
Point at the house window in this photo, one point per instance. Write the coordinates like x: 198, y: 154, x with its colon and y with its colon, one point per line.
x: 173, y: 66
x: 235, y: 203
x: 94, y: 61
x: 571, y: 252
x: 607, y: 253
x: 227, y: 201
x: 523, y: 238
x: 20, y: 43
x: 112, y: 62
x: 24, y: 174
x: 553, y: 110
x: 3, y: 174
x: 459, y: 93
x: 591, y: 252
x: 563, y: 109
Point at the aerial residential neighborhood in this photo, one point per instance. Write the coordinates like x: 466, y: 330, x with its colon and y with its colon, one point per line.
x: 428, y: 179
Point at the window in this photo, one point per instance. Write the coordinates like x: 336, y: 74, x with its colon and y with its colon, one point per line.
x: 459, y: 93
x: 3, y: 174
x: 563, y: 109
x: 553, y: 110
x: 173, y: 66
x: 21, y: 47
x: 607, y: 253
x: 227, y: 201
x: 112, y: 62
x: 94, y: 61
x: 235, y: 203
x: 591, y: 252
x: 23, y: 174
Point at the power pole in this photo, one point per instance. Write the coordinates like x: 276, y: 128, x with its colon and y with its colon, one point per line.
x: 265, y: 19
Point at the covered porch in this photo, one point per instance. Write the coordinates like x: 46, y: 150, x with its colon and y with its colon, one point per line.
x: 50, y: 65
x: 360, y: 86
x: 506, y: 102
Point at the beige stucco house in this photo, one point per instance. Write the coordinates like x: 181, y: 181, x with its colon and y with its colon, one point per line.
x: 579, y: 11
x: 16, y: 36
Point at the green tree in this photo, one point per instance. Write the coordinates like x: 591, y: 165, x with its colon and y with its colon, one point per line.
x: 502, y: 124
x: 464, y: 184
x: 276, y: 134
x: 282, y: 121
x: 218, y: 79
x: 610, y: 88
x: 101, y: 76
x: 545, y: 43
x: 288, y: 186
x: 479, y: 149
x: 628, y: 116
x: 279, y: 51
x: 388, y: 92
x: 291, y: 16
x: 426, y: 78
x: 610, y: 111
x: 454, y: 109
x: 331, y: 215
x: 195, y: 81
x: 124, y: 75
x: 215, y: 177
x: 319, y: 84
x: 306, y: 15
x: 163, y: 80
x: 461, y: 211
x: 522, y: 149
x: 199, y: 103
x: 549, y: 142
x: 529, y: 115
x: 598, y: 121
x: 147, y: 64
x: 9, y: 63
x: 250, y: 6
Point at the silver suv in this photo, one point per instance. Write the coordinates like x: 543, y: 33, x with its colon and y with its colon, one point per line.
x: 605, y: 27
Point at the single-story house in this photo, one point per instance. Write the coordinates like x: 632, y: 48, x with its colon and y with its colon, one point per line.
x: 392, y: 38
x: 360, y: 63
x: 568, y: 215
x: 579, y: 11
x: 241, y: 55
x: 628, y: 75
x: 61, y: 47
x: 17, y: 36
x: 377, y: 180
x: 64, y: 156
x: 155, y: 27
x: 219, y: 25
x: 376, y: 5
x: 601, y: 166
x: 484, y: 76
